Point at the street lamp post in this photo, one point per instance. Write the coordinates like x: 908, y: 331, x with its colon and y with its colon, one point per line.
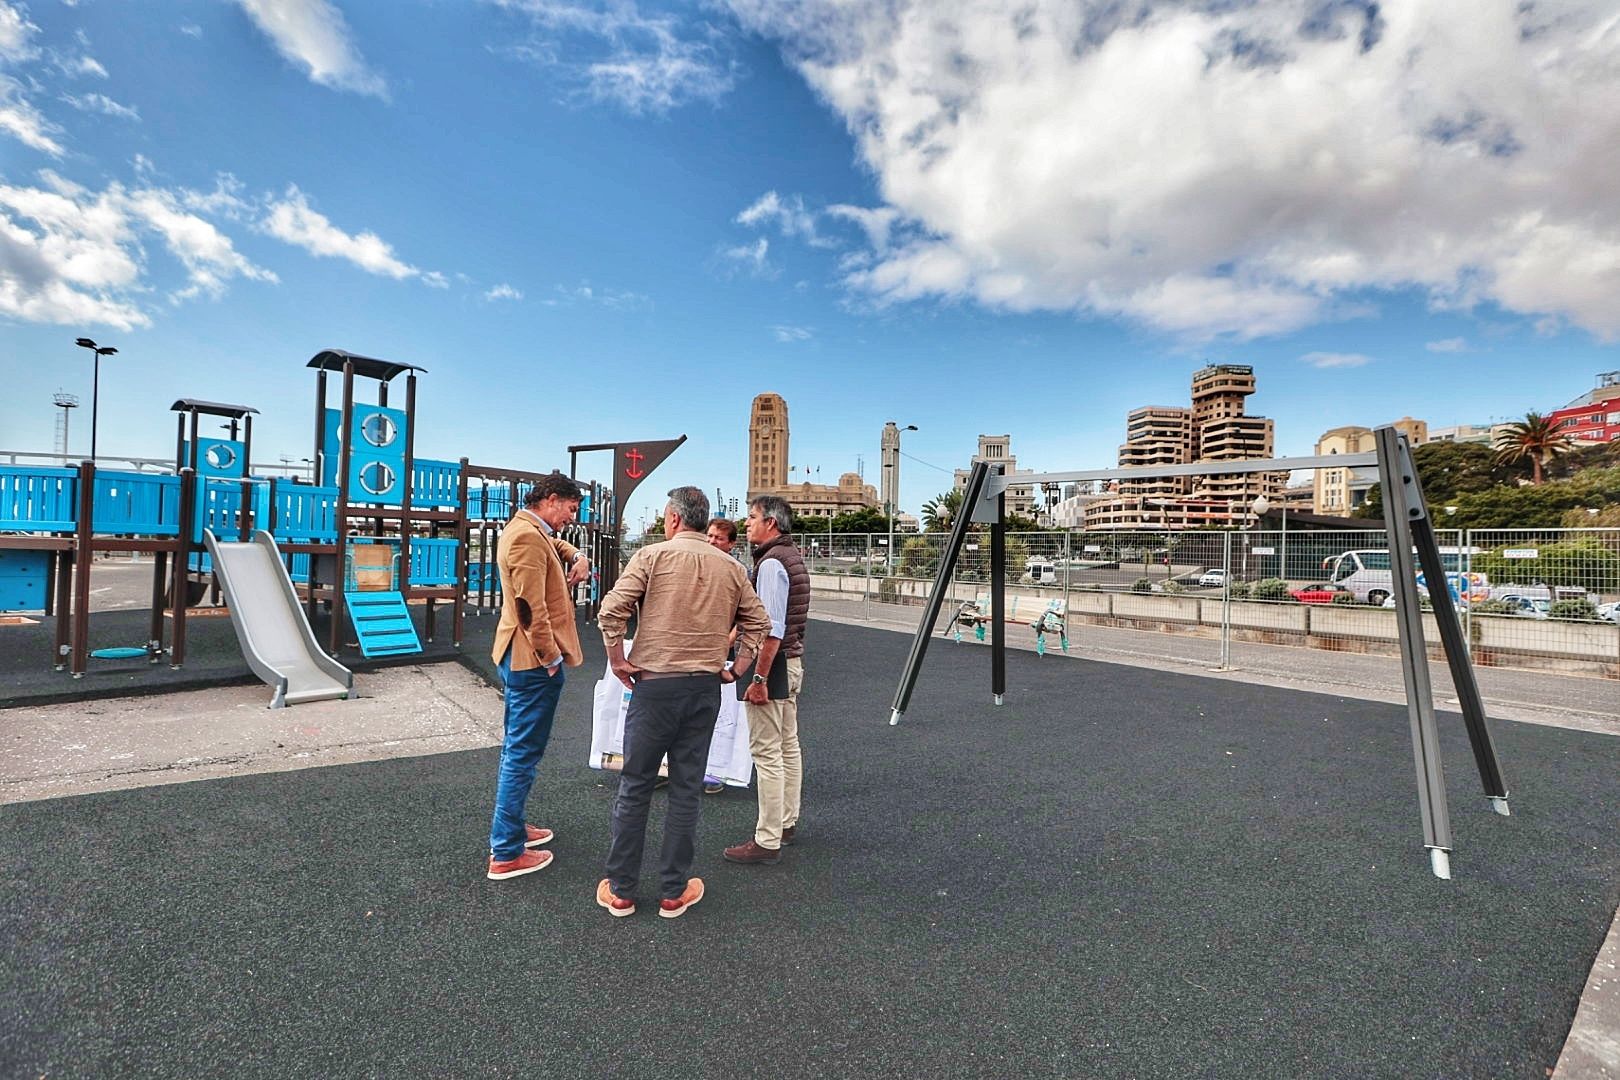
x: 892, y: 563
x: 95, y: 385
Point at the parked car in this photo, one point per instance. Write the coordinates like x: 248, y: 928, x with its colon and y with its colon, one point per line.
x: 1610, y: 612
x: 1322, y: 592
x: 1213, y: 579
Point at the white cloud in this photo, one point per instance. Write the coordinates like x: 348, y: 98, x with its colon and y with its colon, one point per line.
x: 291, y: 219
x: 16, y: 34
x: 1448, y: 345
x: 585, y: 293
x: 1335, y: 360
x: 617, y: 54
x: 314, y: 35
x: 1227, y: 169
x: 503, y: 291
x: 754, y: 257
x: 101, y: 103
x: 435, y: 280
x: 72, y: 256
x: 81, y: 67
x: 23, y: 122
x: 789, y: 215
x: 191, y: 30
x: 791, y: 334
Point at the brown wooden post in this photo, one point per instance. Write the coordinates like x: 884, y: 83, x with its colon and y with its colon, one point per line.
x: 464, y: 534
x: 182, y: 568
x: 342, y: 521
x: 154, y: 638
x: 409, y: 482
x: 81, y: 576
x: 64, y: 606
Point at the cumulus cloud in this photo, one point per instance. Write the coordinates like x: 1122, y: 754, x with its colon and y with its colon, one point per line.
x: 1448, y: 345
x: 81, y: 67
x: 585, y: 293
x: 191, y: 30
x: 1220, y: 169
x: 503, y: 291
x: 314, y: 36
x: 1333, y: 360
x: 618, y: 54
x: 293, y: 220
x: 72, y: 256
x: 787, y: 335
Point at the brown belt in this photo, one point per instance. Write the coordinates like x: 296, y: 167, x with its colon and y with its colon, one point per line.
x: 674, y: 674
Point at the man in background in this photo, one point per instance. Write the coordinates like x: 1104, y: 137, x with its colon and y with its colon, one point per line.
x: 535, y: 638
x: 690, y: 595
x: 772, y: 689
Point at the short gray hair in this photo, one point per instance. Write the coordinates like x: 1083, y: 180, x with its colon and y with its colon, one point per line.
x: 691, y: 506
x: 776, y: 509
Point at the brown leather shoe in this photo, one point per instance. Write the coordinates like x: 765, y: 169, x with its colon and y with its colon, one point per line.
x: 790, y: 835
x: 750, y: 852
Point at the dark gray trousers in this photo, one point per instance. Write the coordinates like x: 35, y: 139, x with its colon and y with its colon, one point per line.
x: 672, y: 716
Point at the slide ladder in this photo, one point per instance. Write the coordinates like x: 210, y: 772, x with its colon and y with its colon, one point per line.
x: 276, y: 639
x: 382, y: 624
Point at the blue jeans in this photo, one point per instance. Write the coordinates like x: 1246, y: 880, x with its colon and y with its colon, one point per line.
x: 531, y: 704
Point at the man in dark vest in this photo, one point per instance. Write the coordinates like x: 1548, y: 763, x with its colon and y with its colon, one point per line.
x: 771, y: 689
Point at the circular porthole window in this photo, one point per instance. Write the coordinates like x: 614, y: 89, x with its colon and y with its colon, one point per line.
x: 220, y: 456
x: 379, y: 429
x: 376, y: 478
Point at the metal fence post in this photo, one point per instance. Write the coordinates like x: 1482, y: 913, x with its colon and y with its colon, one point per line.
x: 866, y: 586
x: 1226, y: 600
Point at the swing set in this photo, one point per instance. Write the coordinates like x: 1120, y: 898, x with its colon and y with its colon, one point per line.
x: 1412, y: 546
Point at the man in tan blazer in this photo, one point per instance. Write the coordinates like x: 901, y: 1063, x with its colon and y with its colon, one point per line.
x: 534, y: 640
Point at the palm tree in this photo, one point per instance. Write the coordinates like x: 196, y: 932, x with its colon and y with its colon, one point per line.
x: 939, y: 513
x: 1533, y: 438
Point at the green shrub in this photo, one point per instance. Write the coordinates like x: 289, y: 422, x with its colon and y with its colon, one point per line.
x: 1494, y: 607
x: 1239, y: 590
x: 1141, y: 584
x: 1271, y: 589
x: 889, y: 591
x: 1582, y: 610
x: 1174, y: 587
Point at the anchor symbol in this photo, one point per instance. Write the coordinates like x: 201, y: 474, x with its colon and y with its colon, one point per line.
x: 635, y: 457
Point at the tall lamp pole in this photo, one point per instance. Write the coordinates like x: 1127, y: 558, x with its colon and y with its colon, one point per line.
x: 893, y: 486
x: 95, y: 385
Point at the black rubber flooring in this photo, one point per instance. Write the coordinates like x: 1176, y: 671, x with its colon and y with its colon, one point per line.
x: 1120, y: 873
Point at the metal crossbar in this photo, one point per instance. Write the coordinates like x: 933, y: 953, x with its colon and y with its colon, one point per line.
x: 1000, y: 482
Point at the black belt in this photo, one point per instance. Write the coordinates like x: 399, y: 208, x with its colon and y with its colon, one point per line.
x: 675, y: 675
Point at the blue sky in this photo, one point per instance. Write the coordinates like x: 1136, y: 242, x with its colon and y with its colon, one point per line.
x: 595, y: 222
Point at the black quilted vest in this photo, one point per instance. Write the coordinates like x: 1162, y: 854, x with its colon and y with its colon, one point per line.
x: 798, y: 606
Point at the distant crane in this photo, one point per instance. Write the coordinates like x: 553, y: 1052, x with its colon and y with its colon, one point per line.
x: 65, y: 402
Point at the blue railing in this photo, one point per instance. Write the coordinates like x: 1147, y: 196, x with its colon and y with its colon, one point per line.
x: 38, y: 499
x: 435, y: 484
x: 496, y: 502
x: 219, y: 507
x: 306, y: 514
x: 136, y: 504
x: 433, y: 562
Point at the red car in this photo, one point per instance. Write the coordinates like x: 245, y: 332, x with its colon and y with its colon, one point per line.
x: 1320, y: 593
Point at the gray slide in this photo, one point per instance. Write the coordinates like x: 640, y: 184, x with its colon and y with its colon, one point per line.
x: 270, y: 625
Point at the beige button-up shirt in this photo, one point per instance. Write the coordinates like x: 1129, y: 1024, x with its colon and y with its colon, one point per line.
x: 691, y: 594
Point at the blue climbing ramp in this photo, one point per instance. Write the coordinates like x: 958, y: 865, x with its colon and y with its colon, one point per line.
x: 382, y: 624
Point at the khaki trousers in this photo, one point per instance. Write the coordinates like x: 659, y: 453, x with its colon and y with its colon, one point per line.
x: 773, y: 740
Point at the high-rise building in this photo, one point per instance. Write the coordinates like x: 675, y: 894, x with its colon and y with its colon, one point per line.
x: 1339, y: 491
x: 1213, y: 430
x: 768, y: 467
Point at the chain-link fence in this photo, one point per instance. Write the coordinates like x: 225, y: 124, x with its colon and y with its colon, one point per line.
x: 1527, y: 598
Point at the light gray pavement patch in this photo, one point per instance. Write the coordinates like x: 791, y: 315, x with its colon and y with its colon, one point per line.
x: 72, y: 749
x: 1592, y: 1048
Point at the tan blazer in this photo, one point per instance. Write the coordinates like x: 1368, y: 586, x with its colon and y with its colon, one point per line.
x: 537, y: 607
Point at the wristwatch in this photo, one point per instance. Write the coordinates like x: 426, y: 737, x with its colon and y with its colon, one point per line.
x: 758, y: 677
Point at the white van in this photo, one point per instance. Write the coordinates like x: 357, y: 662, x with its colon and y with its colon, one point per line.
x: 1039, y: 571
x: 1366, y: 575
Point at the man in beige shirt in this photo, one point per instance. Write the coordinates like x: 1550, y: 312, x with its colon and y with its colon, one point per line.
x: 690, y: 595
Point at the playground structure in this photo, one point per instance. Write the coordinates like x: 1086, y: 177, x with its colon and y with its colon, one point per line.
x: 377, y: 530
x: 1412, y: 545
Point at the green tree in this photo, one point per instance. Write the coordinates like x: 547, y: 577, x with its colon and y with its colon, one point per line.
x: 1533, y: 439
x: 865, y: 520
x: 1447, y: 470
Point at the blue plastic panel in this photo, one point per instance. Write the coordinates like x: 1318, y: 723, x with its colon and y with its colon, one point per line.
x: 22, y: 580
x: 217, y: 457
x: 136, y: 504
x: 38, y: 499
